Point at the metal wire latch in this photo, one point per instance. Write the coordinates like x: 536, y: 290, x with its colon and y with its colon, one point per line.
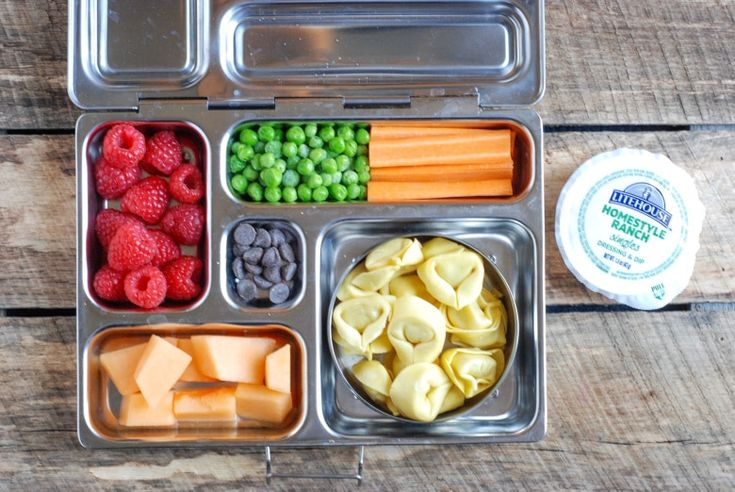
x: 357, y: 476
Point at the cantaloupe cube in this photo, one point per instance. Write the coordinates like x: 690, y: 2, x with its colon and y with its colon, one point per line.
x: 159, y: 368
x: 116, y: 343
x: 228, y: 358
x: 255, y: 401
x: 206, y: 405
x: 120, y: 366
x: 135, y: 411
x: 192, y: 373
x: 278, y: 369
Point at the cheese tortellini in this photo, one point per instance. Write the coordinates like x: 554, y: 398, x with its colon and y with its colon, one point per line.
x: 425, y: 333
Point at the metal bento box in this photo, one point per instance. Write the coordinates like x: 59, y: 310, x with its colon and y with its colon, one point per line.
x: 200, y: 68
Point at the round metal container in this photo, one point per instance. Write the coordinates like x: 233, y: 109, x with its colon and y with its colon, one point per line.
x: 493, y: 280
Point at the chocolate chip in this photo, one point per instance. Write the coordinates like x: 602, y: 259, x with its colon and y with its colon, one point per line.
x: 253, y: 255
x: 287, y: 252
x: 290, y: 236
x: 271, y: 257
x: 247, y: 290
x: 237, y: 268
x: 244, y: 234
x: 261, y: 282
x: 277, y: 237
x: 288, y: 271
x: 279, y: 293
x: 253, y: 269
x: 238, y: 249
x: 273, y: 274
x: 262, y: 238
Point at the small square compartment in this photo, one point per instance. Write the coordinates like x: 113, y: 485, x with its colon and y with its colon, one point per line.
x: 196, y: 151
x: 229, y: 285
x: 513, y: 408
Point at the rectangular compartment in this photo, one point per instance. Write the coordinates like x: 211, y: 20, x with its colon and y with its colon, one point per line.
x: 102, y: 401
x: 196, y: 150
x: 514, y: 407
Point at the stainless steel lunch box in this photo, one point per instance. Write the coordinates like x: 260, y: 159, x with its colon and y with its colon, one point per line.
x: 205, y: 66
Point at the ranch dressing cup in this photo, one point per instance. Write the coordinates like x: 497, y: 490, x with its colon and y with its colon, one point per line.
x: 627, y: 226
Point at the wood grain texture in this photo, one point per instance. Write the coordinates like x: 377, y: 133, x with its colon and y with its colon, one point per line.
x: 608, y: 62
x: 37, y: 264
x: 636, y: 401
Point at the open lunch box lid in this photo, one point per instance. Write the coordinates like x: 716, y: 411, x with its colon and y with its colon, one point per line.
x: 243, y: 54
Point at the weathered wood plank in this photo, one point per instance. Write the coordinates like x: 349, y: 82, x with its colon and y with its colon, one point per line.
x: 636, y: 401
x: 37, y: 259
x: 608, y: 62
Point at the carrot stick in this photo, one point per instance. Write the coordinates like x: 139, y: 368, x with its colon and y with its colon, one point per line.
x: 490, y: 146
x: 391, y: 132
x: 456, y: 172
x: 386, y: 191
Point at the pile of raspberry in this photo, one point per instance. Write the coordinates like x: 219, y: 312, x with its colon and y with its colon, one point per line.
x: 142, y: 242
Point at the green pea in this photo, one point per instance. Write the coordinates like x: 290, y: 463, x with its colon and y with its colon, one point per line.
x: 317, y: 155
x: 239, y: 183
x: 289, y: 194
x: 326, y: 179
x: 345, y: 133
x: 304, y: 192
x: 361, y: 163
x: 350, y: 148
x: 280, y: 165
x: 296, y: 135
x: 337, y: 145
x: 230, y: 143
x: 304, y: 151
x: 248, y: 137
x: 245, y: 153
x: 314, y: 181
x: 292, y: 161
x: 310, y: 130
x: 353, y: 191
x: 274, y: 147
x: 305, y: 167
x: 289, y: 149
x: 362, y: 136
x: 329, y: 166
x: 273, y: 195
x: 291, y: 178
x: 234, y: 147
x: 363, y: 177
x: 327, y: 133
x: 349, y: 177
x: 337, y: 177
x: 259, y: 147
x: 343, y: 163
x: 255, y: 163
x: 267, y: 160
x: 363, y: 193
x: 255, y: 192
x: 279, y: 135
x: 234, y: 164
x: 271, y: 177
x: 266, y: 133
x: 320, y: 194
x: 362, y: 150
x: 250, y: 173
x: 316, y: 142
x: 338, y: 192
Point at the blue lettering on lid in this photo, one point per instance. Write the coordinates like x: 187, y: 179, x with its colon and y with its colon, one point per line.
x: 644, y: 198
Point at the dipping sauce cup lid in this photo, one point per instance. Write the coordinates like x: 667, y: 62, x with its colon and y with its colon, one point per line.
x: 627, y: 226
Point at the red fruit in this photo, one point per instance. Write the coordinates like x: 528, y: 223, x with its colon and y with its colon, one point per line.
x: 183, y: 277
x: 109, y: 284
x: 184, y: 223
x: 123, y: 146
x: 186, y: 184
x: 163, y: 153
x: 148, y: 199
x: 167, y: 248
x: 111, y: 182
x: 108, y: 221
x: 131, y: 247
x: 146, y: 287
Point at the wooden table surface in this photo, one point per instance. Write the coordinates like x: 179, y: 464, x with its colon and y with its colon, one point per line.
x: 636, y: 400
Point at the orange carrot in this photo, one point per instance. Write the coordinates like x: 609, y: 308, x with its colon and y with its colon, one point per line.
x: 455, y: 172
x: 392, y: 132
x: 489, y: 146
x: 386, y: 191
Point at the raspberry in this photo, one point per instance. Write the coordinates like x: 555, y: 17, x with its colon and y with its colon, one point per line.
x: 131, y: 248
x: 108, y: 221
x: 111, y: 182
x: 148, y: 199
x: 123, y: 146
x: 108, y: 284
x: 184, y: 223
x: 163, y: 153
x: 186, y: 184
x: 146, y: 287
x: 167, y: 248
x: 183, y: 277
